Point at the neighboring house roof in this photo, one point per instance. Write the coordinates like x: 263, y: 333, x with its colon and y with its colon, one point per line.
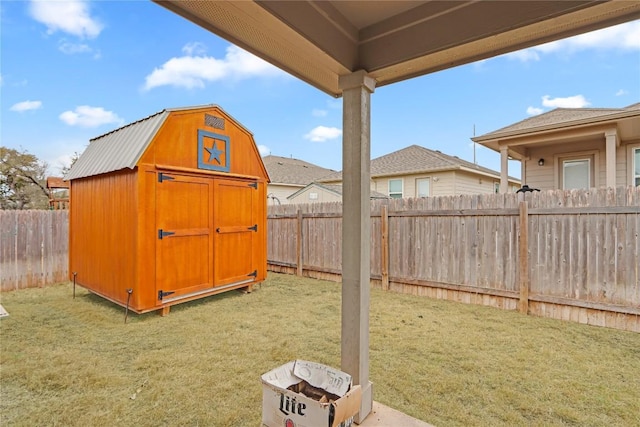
x: 334, y: 188
x: 416, y: 159
x: 123, y: 147
x: 561, y: 117
x: 289, y: 171
x: 55, y: 182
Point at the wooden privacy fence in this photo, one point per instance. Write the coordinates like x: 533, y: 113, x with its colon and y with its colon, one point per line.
x: 33, y: 248
x: 570, y: 255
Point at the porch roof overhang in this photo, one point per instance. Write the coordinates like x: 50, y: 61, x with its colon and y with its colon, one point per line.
x: 625, y: 123
x: 358, y: 45
x: 319, y: 41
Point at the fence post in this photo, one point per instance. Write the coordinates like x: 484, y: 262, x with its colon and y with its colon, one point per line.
x: 523, y: 244
x: 15, y: 248
x: 299, y: 244
x: 384, y: 243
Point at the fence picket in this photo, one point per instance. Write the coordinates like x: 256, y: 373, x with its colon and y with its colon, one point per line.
x: 34, y: 248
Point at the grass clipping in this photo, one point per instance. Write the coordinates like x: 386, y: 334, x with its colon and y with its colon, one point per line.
x: 75, y: 363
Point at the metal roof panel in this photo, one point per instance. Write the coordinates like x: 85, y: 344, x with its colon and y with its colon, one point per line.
x: 119, y: 149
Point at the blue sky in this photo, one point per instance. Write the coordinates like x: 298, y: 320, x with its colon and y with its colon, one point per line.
x: 74, y: 70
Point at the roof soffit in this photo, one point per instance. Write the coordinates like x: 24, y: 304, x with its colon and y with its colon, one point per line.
x: 254, y: 29
x: 317, y: 41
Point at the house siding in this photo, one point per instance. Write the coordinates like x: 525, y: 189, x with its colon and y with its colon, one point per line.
x: 442, y: 183
x: 280, y: 192
x: 624, y: 167
x: 409, y: 186
x: 323, y: 196
x: 547, y: 177
x: 467, y: 183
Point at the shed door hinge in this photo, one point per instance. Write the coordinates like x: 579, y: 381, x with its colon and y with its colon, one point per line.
x: 162, y: 294
x: 254, y: 228
x: 254, y: 185
x: 162, y: 233
x: 253, y: 274
x: 164, y: 177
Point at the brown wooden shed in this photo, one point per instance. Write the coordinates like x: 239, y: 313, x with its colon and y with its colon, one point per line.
x: 171, y: 207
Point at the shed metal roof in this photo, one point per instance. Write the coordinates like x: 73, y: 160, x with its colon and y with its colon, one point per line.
x: 119, y: 149
x: 123, y: 147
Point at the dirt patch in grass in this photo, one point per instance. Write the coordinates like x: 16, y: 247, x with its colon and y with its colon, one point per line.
x: 75, y: 363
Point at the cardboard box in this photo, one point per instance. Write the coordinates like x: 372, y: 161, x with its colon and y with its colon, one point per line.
x: 287, y: 408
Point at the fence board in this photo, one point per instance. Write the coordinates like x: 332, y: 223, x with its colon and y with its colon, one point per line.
x: 34, y: 248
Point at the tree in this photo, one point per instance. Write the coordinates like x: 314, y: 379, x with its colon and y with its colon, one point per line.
x: 22, y: 180
x: 66, y: 168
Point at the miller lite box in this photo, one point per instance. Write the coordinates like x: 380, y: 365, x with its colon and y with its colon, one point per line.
x: 308, y: 394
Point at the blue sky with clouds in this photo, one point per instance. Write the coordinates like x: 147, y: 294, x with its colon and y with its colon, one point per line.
x: 74, y: 70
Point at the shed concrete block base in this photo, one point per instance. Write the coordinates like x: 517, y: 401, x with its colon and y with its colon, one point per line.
x: 366, y: 404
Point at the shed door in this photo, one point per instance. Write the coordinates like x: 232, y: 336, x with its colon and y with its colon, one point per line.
x: 184, y: 246
x: 235, y: 228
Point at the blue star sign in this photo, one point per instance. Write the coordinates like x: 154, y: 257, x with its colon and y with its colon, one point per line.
x: 214, y: 151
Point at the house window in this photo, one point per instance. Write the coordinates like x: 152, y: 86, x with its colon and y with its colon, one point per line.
x: 423, y: 187
x: 636, y: 166
x: 313, y: 196
x: 395, y: 188
x: 576, y: 173
x: 496, y: 187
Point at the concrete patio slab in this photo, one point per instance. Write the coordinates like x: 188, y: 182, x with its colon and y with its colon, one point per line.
x: 383, y: 416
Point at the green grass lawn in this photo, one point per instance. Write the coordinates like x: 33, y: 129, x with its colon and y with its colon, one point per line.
x: 68, y: 362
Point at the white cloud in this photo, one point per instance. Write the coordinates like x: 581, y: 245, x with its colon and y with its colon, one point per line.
x: 62, y: 161
x: 195, y: 71
x: 619, y: 37
x: 69, y: 16
x: 524, y: 55
x: 577, y: 101
x: 194, y: 48
x: 480, y: 65
x: 534, y: 111
x: 319, y: 113
x: 624, y: 36
x: 622, y: 92
x: 26, y: 106
x: 73, y: 48
x: 86, y: 116
x: 264, y: 150
x: 323, y: 133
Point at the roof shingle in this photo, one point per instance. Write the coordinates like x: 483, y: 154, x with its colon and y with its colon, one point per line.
x: 415, y: 159
x: 557, y: 116
x: 286, y: 170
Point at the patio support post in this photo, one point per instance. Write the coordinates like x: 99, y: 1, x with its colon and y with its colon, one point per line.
x: 504, y: 169
x: 612, y: 141
x: 356, y: 231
